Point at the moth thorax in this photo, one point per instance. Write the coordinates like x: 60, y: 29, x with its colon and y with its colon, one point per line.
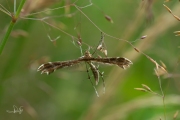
x: 87, y: 54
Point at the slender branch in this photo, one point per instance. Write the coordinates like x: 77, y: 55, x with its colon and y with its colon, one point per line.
x: 6, y: 12
x: 163, y: 97
x: 11, y: 25
x: 14, y: 6
x: 87, y: 17
x: 46, y: 10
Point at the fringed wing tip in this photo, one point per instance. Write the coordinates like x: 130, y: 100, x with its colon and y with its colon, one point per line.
x: 47, y: 71
x: 126, y: 63
x: 43, y: 69
x: 40, y: 67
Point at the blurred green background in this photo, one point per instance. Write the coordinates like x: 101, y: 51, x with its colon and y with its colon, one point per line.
x: 67, y: 94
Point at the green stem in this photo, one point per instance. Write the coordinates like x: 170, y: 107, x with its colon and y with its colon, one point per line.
x: 11, y: 25
x: 19, y: 8
x: 4, y: 40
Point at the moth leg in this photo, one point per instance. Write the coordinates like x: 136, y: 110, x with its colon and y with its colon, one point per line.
x: 101, y: 74
x: 91, y: 80
x: 94, y: 71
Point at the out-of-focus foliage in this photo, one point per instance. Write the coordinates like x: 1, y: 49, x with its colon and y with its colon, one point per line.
x: 67, y: 94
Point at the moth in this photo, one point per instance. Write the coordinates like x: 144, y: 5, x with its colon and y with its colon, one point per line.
x: 122, y: 62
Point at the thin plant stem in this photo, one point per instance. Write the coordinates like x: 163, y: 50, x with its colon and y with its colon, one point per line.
x: 3, y: 9
x: 164, y: 107
x: 11, y: 25
x: 163, y: 96
x: 87, y: 17
x: 160, y: 86
x: 14, y: 6
x: 46, y: 10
